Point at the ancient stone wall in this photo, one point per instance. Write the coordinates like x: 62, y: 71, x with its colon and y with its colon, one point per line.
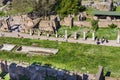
x: 82, y: 23
x: 49, y: 25
x: 68, y: 21
x: 38, y: 72
x: 105, y: 5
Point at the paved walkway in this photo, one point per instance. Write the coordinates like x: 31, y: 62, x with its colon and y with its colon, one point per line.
x: 71, y: 40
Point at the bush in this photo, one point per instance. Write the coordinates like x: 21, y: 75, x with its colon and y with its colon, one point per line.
x: 95, y: 25
x: 112, y: 26
x: 2, y: 13
x: 7, y: 77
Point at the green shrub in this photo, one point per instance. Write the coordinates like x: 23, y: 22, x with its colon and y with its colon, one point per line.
x: 95, y: 25
x: 2, y: 13
x: 112, y: 26
x: 7, y: 77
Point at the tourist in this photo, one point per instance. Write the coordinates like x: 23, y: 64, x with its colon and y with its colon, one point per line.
x: 106, y: 40
x: 102, y: 40
x: 98, y: 41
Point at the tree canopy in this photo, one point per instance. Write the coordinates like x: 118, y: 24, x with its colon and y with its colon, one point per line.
x: 22, y: 5
x: 62, y: 7
x: 65, y: 7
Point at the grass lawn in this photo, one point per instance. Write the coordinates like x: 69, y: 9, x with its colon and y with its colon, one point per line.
x: 71, y: 56
x: 107, y: 32
x: 118, y: 8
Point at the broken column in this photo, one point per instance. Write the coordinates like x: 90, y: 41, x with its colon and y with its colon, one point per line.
x: 118, y: 37
x: 56, y: 34
x: 31, y: 32
x: 93, y: 35
x: 66, y: 36
x: 84, y: 35
x: 38, y: 33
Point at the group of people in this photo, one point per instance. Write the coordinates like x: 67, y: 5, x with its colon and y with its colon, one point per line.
x: 101, y: 41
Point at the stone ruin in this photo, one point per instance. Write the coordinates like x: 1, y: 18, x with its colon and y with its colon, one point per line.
x: 36, y: 50
x: 51, y: 25
x: 4, y: 2
x: 105, y: 5
x: 4, y: 66
x: 7, y: 47
x: 82, y: 16
x: 23, y: 23
x: 68, y: 21
x: 4, y: 25
x: 5, y: 5
x: 39, y: 72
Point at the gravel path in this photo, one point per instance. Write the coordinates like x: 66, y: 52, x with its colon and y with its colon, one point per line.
x: 71, y: 40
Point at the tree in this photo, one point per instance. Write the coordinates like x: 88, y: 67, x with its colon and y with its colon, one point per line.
x: 65, y: 7
x: 94, y: 24
x: 22, y: 5
x: 44, y: 7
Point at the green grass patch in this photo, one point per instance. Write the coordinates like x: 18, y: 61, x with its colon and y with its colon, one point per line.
x: 70, y: 31
x: 107, y: 32
x: 2, y: 13
x: 71, y: 56
x: 118, y: 8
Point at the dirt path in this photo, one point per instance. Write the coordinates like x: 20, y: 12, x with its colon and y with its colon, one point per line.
x: 71, y: 40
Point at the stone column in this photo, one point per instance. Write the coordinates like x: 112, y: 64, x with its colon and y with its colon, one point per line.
x: 75, y: 35
x: 118, y: 37
x: 66, y: 36
x: 56, y: 34
x: 30, y: 32
x: 93, y: 36
x: 84, y: 35
x: 38, y: 33
x: 48, y: 35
